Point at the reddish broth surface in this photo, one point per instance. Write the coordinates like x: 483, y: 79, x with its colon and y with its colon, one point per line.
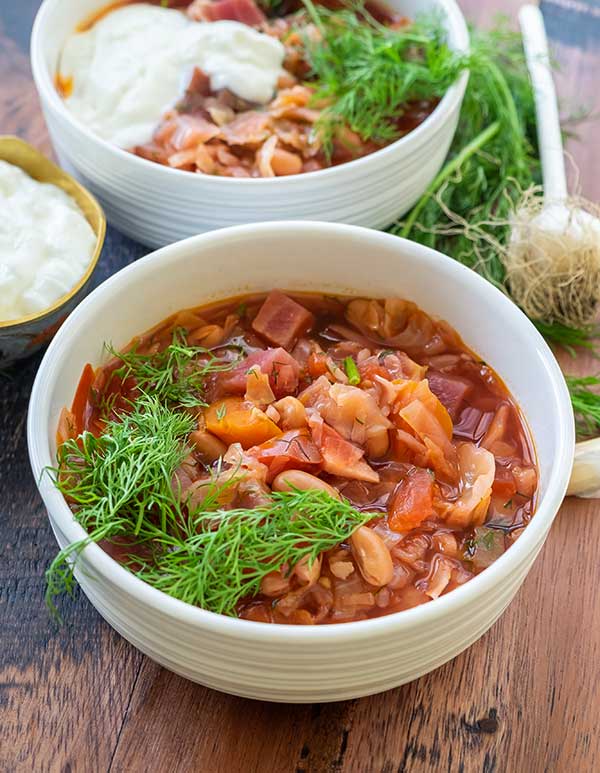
x: 218, y: 133
x: 429, y: 441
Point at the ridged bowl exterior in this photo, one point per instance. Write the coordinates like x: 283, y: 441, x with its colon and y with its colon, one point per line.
x: 295, y: 663
x: 158, y: 205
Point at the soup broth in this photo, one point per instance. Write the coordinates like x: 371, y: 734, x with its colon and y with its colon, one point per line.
x: 361, y: 418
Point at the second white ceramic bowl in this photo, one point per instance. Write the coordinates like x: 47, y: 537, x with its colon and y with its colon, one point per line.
x: 158, y: 205
x: 295, y: 663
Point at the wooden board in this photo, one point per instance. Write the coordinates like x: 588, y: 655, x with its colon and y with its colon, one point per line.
x: 79, y: 698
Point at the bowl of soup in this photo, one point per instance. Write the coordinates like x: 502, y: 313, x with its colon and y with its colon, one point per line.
x: 186, y: 117
x: 361, y: 447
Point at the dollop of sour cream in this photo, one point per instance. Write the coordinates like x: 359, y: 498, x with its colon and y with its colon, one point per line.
x: 135, y: 62
x: 46, y: 244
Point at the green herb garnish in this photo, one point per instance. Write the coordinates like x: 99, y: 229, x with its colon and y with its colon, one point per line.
x: 569, y: 338
x: 366, y: 72
x: 117, y: 481
x: 492, y: 160
x: 466, y: 212
x: 486, y: 539
x: 351, y: 371
x: 175, y: 375
x: 224, y: 555
x: 221, y: 411
x: 586, y: 403
x: 122, y: 485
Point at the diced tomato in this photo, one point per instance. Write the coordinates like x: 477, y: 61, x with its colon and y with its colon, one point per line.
x: 317, y: 364
x: 371, y: 367
x: 292, y: 450
x: 411, y: 502
x: 281, y: 321
x: 504, y: 483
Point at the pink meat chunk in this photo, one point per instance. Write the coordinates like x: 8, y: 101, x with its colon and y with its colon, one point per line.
x: 281, y: 321
x: 281, y: 368
x: 244, y: 11
x: 451, y: 391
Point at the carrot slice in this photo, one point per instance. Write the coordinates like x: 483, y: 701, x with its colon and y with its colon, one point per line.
x: 236, y: 421
x: 81, y: 399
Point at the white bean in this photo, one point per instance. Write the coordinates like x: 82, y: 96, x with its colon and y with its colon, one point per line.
x: 207, y: 446
x: 291, y: 480
x: 373, y: 558
x: 274, y: 584
x: 292, y: 412
x: 308, y: 575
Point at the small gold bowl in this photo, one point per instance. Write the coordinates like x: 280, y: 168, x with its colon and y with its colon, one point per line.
x: 22, y: 337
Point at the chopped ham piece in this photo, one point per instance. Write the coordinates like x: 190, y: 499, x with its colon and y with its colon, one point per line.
x: 451, y: 391
x: 244, y: 11
x: 281, y: 321
x: 339, y: 456
x: 279, y: 365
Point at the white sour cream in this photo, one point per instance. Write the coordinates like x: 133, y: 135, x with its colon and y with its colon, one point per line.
x: 136, y: 61
x: 46, y: 244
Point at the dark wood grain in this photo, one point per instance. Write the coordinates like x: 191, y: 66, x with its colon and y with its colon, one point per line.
x: 79, y: 698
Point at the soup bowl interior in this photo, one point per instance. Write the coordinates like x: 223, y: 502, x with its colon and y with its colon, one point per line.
x: 322, y: 662
x: 158, y: 205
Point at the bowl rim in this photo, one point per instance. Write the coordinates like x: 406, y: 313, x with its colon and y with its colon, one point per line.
x: 449, y: 102
x: 100, y: 232
x: 111, y: 571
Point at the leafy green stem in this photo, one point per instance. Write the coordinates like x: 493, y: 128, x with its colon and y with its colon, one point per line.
x: 455, y: 163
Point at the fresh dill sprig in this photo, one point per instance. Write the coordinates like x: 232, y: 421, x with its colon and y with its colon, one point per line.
x: 366, y: 72
x: 225, y: 554
x: 175, y: 375
x: 122, y: 485
x: 585, y: 398
x: 569, y: 338
x: 466, y: 211
x: 492, y: 160
x: 116, y: 482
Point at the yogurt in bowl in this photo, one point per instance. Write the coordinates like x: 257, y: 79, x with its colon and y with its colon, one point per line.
x: 51, y: 236
x: 46, y: 244
x: 121, y: 74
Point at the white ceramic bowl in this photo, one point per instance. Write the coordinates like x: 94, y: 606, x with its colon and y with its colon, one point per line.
x: 158, y: 205
x: 321, y: 663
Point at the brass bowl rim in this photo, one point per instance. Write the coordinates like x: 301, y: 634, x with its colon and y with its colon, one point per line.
x: 100, y: 233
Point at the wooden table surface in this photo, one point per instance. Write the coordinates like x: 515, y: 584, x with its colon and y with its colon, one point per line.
x: 80, y: 698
